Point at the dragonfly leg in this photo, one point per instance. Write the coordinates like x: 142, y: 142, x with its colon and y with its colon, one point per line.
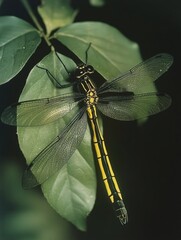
x: 53, y: 79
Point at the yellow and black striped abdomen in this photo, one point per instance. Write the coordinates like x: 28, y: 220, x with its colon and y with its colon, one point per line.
x: 108, y: 176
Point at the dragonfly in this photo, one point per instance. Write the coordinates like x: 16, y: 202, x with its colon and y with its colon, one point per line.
x: 119, y: 99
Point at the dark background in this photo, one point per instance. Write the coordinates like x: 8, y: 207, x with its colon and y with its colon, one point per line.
x: 146, y: 158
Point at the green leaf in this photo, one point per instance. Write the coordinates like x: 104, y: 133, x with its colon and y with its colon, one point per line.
x: 110, y: 53
x: 18, y: 41
x: 71, y: 191
x: 56, y: 13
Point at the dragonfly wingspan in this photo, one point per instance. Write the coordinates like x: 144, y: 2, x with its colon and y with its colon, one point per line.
x: 124, y: 98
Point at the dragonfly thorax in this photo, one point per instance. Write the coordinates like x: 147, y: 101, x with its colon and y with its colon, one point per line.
x: 91, y: 97
x: 82, y: 74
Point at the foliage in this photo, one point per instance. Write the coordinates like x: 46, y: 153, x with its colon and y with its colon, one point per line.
x: 18, y: 42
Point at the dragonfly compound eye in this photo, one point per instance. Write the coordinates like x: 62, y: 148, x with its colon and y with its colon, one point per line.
x: 90, y: 69
x: 80, y: 71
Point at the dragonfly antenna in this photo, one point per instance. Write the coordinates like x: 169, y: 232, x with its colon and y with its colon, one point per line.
x: 86, y: 53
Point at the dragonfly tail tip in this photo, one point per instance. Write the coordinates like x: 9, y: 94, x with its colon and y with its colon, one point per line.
x: 121, y: 212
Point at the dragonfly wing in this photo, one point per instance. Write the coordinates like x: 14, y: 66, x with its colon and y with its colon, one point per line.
x: 141, y: 76
x: 128, y: 107
x: 40, y: 111
x: 57, y: 153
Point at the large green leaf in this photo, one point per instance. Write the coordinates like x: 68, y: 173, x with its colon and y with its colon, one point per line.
x: 18, y: 41
x: 71, y: 191
x: 56, y: 13
x: 111, y: 53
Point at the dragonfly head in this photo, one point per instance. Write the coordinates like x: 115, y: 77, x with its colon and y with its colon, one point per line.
x: 83, y: 71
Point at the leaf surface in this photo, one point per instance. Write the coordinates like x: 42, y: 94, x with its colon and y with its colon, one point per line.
x: 56, y: 13
x: 110, y: 53
x: 71, y: 191
x: 18, y: 41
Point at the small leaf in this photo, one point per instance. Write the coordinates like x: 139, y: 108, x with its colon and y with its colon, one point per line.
x: 110, y: 53
x: 71, y: 191
x: 18, y: 41
x: 56, y: 13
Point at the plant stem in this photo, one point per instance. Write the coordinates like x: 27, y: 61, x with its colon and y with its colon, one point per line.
x: 29, y: 10
x: 33, y: 17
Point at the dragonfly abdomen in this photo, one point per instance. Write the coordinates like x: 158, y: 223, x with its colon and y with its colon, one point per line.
x: 108, y: 175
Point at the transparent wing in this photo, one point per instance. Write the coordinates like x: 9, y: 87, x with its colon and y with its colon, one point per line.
x: 40, y: 111
x: 128, y: 106
x: 141, y: 75
x: 57, y: 153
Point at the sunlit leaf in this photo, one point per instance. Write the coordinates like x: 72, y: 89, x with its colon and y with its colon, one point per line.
x: 18, y: 41
x: 111, y: 53
x: 56, y: 13
x: 71, y: 191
